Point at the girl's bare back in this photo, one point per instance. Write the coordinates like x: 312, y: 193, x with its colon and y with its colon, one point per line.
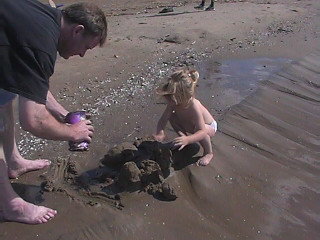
x: 188, y: 117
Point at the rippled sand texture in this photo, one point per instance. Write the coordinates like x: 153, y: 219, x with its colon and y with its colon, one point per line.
x: 268, y: 159
x: 263, y: 184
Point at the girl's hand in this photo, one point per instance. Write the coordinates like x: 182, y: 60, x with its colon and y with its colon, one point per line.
x: 181, y: 141
x: 159, y: 137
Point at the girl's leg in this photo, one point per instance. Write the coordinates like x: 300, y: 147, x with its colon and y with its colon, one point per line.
x: 207, y: 147
x: 177, y: 127
x: 207, y: 152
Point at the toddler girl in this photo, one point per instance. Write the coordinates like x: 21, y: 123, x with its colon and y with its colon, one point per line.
x: 187, y: 116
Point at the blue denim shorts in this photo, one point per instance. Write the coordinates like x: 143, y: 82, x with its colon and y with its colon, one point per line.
x: 6, y: 96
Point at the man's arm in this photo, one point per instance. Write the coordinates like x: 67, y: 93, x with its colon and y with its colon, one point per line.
x: 58, y: 111
x: 36, y: 119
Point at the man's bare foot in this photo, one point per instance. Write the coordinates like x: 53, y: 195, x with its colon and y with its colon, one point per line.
x: 210, y: 8
x: 21, y: 211
x: 200, y: 7
x: 17, y: 168
x: 205, y: 160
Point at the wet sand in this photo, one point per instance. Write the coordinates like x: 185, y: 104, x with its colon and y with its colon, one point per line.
x: 263, y: 182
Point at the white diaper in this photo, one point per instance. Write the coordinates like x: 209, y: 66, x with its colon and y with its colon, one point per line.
x: 214, y: 125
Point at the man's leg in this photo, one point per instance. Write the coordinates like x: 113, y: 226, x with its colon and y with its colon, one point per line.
x: 12, y: 207
x: 211, y: 6
x: 17, y: 165
x: 201, y: 6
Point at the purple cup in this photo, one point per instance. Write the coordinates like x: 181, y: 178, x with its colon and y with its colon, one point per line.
x: 73, y: 118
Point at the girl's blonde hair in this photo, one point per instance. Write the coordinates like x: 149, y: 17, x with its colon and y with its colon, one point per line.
x: 180, y: 86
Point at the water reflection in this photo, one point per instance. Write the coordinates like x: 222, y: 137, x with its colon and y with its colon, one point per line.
x: 227, y: 83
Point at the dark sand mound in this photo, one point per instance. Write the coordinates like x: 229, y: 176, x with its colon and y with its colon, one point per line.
x: 142, y: 166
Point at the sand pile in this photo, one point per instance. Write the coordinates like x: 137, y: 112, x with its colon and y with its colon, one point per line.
x: 142, y: 166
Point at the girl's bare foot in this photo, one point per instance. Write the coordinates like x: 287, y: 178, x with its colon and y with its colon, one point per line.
x: 18, y: 210
x: 17, y: 168
x: 205, y: 160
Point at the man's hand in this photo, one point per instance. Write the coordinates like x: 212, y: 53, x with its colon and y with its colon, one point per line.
x: 36, y: 119
x: 181, y: 141
x: 82, y: 131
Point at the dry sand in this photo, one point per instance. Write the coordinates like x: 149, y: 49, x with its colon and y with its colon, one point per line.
x: 259, y: 65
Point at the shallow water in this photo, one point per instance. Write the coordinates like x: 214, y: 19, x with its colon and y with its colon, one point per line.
x: 223, y: 84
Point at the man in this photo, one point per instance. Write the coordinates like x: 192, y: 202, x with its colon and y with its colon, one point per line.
x: 31, y: 34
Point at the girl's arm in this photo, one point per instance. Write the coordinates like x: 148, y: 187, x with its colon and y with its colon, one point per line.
x: 200, y: 130
x: 159, y: 136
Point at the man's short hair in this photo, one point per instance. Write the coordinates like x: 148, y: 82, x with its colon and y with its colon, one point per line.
x: 90, y: 16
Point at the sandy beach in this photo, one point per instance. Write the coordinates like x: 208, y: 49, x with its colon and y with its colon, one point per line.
x: 259, y: 67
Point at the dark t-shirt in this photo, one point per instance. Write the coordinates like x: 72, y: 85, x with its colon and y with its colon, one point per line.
x: 29, y: 33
